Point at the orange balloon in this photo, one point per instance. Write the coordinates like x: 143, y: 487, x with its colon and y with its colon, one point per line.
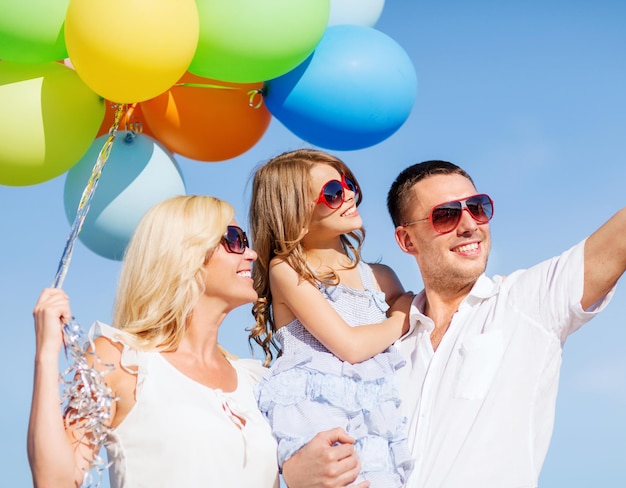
x: 208, y: 120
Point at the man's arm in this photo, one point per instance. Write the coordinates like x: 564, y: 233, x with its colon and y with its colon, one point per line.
x: 327, y: 461
x: 605, y: 259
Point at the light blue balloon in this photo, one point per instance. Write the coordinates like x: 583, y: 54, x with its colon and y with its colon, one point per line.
x: 356, y: 89
x: 138, y: 174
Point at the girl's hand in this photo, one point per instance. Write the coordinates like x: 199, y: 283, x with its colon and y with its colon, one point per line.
x: 51, y: 312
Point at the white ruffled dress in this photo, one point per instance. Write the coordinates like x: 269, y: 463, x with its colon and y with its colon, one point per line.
x: 308, y: 390
x: 182, y: 433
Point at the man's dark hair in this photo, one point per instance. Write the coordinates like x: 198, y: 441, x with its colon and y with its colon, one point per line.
x: 401, y: 196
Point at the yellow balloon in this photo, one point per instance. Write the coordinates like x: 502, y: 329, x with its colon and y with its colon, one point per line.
x: 50, y: 119
x: 131, y: 50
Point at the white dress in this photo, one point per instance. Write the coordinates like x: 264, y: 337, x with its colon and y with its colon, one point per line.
x: 181, y: 433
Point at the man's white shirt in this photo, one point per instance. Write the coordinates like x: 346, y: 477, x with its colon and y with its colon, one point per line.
x: 480, y: 409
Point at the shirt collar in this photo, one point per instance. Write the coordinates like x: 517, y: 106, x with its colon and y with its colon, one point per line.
x: 482, y: 289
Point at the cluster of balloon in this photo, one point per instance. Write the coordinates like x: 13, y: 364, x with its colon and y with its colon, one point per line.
x: 198, y: 78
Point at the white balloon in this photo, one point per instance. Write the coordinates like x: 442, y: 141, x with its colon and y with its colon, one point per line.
x: 359, y: 12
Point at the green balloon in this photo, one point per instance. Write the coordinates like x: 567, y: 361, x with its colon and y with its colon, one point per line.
x: 247, y: 41
x: 49, y: 120
x: 31, y: 31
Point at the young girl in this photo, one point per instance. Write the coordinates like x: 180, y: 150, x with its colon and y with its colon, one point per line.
x: 327, y: 310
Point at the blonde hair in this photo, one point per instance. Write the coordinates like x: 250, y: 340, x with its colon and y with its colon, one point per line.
x: 281, y: 208
x: 161, y: 278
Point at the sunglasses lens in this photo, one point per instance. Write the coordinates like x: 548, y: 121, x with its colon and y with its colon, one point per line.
x: 446, y: 217
x: 352, y: 186
x: 235, y: 239
x: 333, y: 193
x: 481, y: 208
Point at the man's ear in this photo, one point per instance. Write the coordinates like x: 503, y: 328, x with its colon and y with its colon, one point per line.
x: 403, y: 238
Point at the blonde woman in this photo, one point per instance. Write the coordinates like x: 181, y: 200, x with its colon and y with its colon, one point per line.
x: 333, y: 316
x: 185, y: 414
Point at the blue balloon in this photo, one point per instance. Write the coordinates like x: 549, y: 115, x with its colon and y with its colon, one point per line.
x: 138, y: 174
x: 355, y: 90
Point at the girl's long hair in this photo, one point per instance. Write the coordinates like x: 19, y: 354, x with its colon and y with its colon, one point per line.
x: 281, y: 208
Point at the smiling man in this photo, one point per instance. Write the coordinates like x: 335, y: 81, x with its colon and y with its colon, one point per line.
x: 484, y: 354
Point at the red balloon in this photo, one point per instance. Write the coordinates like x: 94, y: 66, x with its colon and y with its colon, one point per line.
x: 208, y: 120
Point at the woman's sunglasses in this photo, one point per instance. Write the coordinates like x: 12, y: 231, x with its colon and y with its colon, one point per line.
x: 235, y: 240
x: 446, y: 217
x: 332, y: 193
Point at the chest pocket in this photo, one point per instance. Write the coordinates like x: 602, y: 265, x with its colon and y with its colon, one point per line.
x: 480, y: 358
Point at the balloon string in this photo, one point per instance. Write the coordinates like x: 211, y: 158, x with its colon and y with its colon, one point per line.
x: 87, y: 397
x: 208, y: 85
x: 88, y: 401
x: 129, y: 114
x: 258, y: 95
x: 252, y: 93
x: 136, y: 127
x: 85, y: 201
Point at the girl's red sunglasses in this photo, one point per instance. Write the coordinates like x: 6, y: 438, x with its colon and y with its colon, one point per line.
x: 332, y: 193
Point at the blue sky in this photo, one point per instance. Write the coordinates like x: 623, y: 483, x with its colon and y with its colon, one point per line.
x: 529, y: 97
